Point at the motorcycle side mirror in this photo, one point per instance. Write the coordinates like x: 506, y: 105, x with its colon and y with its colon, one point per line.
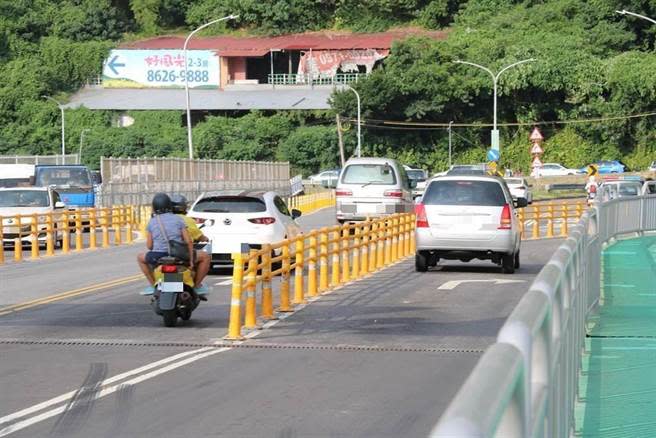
x: 296, y: 213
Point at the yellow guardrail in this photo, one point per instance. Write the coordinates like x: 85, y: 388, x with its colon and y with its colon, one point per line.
x: 312, y: 202
x: 106, y: 227
x: 319, y: 261
x: 549, y: 219
x: 40, y: 234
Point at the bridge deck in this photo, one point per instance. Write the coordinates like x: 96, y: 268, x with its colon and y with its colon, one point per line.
x: 618, y: 382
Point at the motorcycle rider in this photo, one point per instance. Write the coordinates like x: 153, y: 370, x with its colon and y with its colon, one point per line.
x: 157, y: 241
x: 202, y: 266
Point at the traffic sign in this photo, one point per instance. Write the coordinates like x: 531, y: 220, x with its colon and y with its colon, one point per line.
x: 537, y: 162
x: 492, y: 167
x: 536, y: 149
x: 592, y: 170
x: 536, y: 135
x: 493, y: 154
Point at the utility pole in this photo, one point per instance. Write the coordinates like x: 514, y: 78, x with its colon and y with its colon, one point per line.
x: 450, y: 123
x: 340, y: 139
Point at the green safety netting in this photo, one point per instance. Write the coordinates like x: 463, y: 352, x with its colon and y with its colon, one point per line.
x: 617, y: 386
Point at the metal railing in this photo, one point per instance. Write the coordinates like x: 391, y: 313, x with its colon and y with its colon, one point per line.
x: 40, y: 159
x: 104, y: 226
x: 312, y: 79
x: 41, y: 234
x: 341, y: 253
x: 526, y: 384
x: 549, y: 219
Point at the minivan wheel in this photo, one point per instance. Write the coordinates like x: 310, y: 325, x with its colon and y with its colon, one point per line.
x: 508, y: 263
x: 517, y: 260
x: 421, y: 262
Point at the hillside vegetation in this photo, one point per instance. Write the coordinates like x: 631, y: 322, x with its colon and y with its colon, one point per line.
x: 592, y: 63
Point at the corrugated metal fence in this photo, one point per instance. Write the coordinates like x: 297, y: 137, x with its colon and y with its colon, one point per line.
x: 134, y: 181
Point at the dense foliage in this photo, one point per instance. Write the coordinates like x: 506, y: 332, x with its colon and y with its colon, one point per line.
x: 591, y: 63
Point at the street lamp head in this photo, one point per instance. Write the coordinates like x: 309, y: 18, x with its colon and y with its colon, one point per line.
x: 622, y: 12
x: 457, y: 61
x: 232, y: 17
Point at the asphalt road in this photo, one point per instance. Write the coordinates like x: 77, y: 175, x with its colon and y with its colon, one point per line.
x: 379, y: 357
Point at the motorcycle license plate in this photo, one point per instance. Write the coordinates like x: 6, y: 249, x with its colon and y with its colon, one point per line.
x: 171, y: 286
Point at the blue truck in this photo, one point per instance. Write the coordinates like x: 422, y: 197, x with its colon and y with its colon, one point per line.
x: 72, y: 182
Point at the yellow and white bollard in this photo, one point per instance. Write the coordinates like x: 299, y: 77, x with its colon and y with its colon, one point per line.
x: 323, y: 260
x: 312, y: 265
x: 250, y: 320
x: 285, y: 305
x: 299, y: 293
x: 267, y: 292
x: 345, y: 253
x: 335, y: 259
x: 34, y: 237
x: 234, y: 326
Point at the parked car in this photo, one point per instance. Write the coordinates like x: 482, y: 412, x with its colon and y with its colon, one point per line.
x: 606, y: 166
x: 652, y: 166
x: 28, y: 201
x: 372, y: 187
x: 468, y: 217
x: 520, y: 188
x: 556, y: 169
x: 235, y: 217
x: 327, y: 178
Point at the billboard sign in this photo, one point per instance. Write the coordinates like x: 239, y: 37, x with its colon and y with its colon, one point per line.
x: 160, y: 69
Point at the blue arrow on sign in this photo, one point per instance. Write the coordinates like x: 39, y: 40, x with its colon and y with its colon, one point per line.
x: 493, y: 155
x: 113, y: 64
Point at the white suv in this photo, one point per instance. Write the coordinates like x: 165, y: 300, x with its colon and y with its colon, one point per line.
x: 468, y: 217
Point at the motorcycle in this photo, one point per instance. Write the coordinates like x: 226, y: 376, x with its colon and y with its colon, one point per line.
x: 174, y: 295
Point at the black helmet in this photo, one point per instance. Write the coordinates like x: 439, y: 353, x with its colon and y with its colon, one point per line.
x: 179, y: 204
x: 161, y: 203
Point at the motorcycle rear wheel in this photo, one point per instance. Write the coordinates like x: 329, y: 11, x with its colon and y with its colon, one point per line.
x: 170, y: 317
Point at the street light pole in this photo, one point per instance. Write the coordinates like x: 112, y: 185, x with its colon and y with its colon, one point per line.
x: 625, y: 12
x: 495, y: 80
x: 186, y: 77
x: 357, y: 97
x: 84, y: 131
x: 63, y: 127
x: 450, y: 123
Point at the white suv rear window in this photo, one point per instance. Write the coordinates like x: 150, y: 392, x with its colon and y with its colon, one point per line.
x: 369, y: 174
x: 483, y: 193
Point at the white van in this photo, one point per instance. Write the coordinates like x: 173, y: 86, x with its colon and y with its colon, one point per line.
x: 372, y: 187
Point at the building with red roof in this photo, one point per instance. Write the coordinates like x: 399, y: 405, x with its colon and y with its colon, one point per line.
x: 233, y: 73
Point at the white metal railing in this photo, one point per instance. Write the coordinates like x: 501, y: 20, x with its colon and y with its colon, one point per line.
x: 525, y: 385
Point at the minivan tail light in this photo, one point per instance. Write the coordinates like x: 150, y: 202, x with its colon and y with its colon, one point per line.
x: 169, y: 269
x: 343, y: 193
x: 422, y: 220
x: 393, y: 193
x: 506, y: 222
x: 262, y: 220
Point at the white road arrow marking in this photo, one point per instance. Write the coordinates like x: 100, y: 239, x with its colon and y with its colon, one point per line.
x: 450, y: 285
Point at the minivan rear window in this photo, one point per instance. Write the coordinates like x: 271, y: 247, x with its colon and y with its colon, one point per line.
x: 230, y: 204
x: 375, y: 174
x: 483, y: 193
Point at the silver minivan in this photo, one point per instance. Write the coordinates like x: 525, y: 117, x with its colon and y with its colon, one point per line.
x: 465, y: 218
x: 372, y: 187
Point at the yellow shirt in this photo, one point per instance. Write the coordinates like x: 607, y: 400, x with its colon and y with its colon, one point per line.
x: 194, y: 231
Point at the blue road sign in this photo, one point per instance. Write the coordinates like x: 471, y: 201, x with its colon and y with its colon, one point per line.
x: 493, y: 155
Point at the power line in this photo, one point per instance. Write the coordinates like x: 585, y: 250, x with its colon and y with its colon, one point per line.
x: 392, y: 124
